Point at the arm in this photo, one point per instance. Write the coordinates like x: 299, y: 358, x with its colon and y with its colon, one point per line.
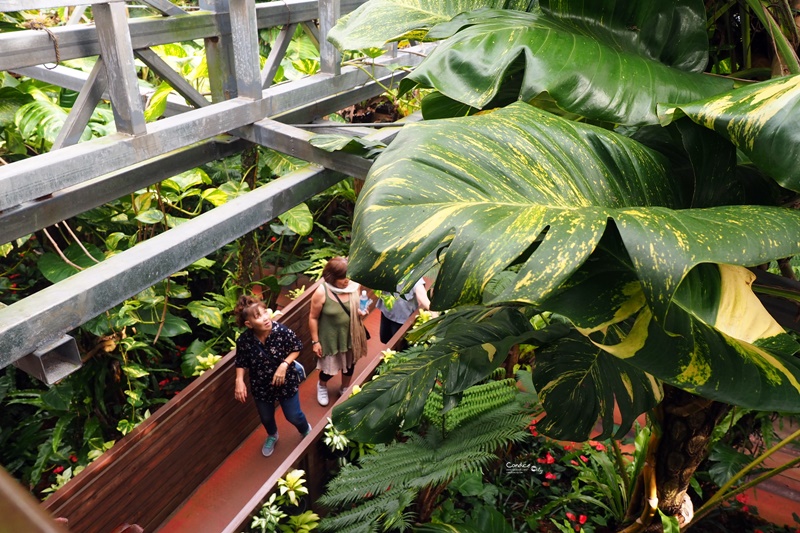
x: 422, y: 297
x: 240, y: 390
x: 280, y: 375
x: 317, y: 300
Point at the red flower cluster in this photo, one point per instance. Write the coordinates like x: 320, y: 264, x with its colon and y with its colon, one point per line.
x: 532, y: 428
x: 547, y: 460
x: 58, y: 469
x: 73, y: 458
x: 742, y: 498
x: 581, y: 519
x: 163, y: 382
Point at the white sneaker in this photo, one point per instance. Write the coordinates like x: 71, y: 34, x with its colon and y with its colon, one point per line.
x: 322, y: 393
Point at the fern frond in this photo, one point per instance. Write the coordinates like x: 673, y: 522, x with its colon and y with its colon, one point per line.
x: 389, y: 504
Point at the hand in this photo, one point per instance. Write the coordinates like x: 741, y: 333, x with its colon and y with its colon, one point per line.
x: 240, y: 391
x: 362, y: 314
x: 317, y: 349
x: 279, y: 378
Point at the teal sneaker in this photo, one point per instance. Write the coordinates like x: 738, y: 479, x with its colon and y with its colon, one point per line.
x: 269, y: 445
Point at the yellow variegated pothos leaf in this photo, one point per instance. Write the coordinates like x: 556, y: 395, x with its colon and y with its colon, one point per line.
x: 758, y: 119
x: 522, y: 186
x: 378, y: 22
x: 719, y: 342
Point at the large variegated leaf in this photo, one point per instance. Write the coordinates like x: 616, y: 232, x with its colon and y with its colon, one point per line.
x: 521, y: 185
x: 604, y: 80
x: 468, y: 354
x: 722, y: 343
x: 378, y: 22
x: 759, y: 119
x: 578, y: 383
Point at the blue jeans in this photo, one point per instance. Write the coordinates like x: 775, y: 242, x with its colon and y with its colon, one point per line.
x: 291, y: 410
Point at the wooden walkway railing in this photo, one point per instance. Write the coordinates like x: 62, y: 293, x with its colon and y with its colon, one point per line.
x: 195, y: 465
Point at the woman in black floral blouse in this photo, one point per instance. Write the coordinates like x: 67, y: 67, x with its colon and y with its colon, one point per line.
x: 267, y: 349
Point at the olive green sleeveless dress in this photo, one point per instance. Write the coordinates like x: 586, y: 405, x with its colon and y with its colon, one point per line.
x: 334, y: 336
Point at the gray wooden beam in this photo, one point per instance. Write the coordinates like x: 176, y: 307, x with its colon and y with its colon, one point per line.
x: 282, y: 42
x: 28, y: 179
x: 244, y: 34
x: 219, y: 56
x: 295, y: 142
x: 76, y: 16
x: 30, y: 47
x: 115, y: 49
x: 90, y: 95
x: 176, y: 81
x: 329, y: 57
x: 311, y: 30
x: 61, y: 205
x: 51, y: 312
x: 165, y: 7
x: 21, y: 5
x: 63, y: 168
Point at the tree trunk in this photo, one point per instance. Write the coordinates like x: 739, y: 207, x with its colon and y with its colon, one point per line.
x: 687, y: 422
x: 249, y: 256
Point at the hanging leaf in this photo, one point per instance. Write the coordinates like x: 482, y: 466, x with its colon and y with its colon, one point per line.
x: 758, y: 119
x: 298, y: 219
x: 206, y: 313
x: 151, y: 216
x: 157, y: 104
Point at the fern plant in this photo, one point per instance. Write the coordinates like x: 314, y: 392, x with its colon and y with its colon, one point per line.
x: 377, y: 493
x: 476, y: 400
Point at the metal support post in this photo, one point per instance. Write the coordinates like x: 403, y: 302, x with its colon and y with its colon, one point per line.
x: 329, y: 57
x: 244, y: 32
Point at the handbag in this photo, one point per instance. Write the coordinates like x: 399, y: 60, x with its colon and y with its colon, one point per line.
x: 300, y: 369
x: 346, y: 310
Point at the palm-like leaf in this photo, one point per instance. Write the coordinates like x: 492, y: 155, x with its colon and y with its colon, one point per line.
x: 465, y: 357
x: 756, y: 118
x: 610, y: 78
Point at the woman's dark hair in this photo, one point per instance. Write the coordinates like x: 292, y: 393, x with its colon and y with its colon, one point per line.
x: 335, y: 269
x: 245, y: 307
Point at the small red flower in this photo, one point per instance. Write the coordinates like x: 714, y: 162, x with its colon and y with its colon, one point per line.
x: 550, y: 475
x: 13, y: 276
x: 73, y: 458
x: 13, y: 285
x: 584, y: 459
x: 273, y: 239
x: 545, y: 484
x: 568, y: 447
x: 175, y: 378
x: 571, y: 517
x: 582, y: 519
x: 745, y: 509
x: 163, y: 382
x: 573, y: 462
x: 741, y: 497
x: 599, y: 447
x: 578, y: 528
x: 311, y: 239
x: 58, y: 469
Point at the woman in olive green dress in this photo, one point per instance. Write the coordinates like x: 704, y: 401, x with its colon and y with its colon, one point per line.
x: 338, y: 338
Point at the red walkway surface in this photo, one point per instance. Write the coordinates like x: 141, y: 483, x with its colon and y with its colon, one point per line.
x: 239, y: 480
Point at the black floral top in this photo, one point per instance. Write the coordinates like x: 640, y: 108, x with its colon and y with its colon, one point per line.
x: 262, y: 360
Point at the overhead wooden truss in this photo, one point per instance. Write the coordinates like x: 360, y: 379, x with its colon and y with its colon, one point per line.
x: 75, y: 177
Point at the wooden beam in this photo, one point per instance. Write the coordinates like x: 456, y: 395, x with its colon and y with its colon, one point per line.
x: 123, y: 85
x: 22, y: 5
x: 28, y: 179
x: 90, y: 95
x: 176, y: 81
x: 329, y: 57
x: 244, y: 34
x: 165, y: 7
x: 282, y: 42
x: 30, y: 47
x: 61, y: 307
x: 61, y: 205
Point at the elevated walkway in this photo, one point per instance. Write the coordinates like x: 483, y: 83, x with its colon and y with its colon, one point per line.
x: 196, y: 464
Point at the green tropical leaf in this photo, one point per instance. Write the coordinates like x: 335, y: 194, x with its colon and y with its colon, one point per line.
x: 470, y: 67
x: 173, y: 326
x: 55, y: 269
x: 725, y: 463
x: 467, y: 355
x: 206, y: 313
x: 378, y: 22
x: 485, y: 188
x: 189, y: 359
x: 150, y: 216
x: 157, y: 103
x: 41, y: 120
x: 578, y: 383
x: 298, y: 219
x: 758, y: 119
x: 10, y: 101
